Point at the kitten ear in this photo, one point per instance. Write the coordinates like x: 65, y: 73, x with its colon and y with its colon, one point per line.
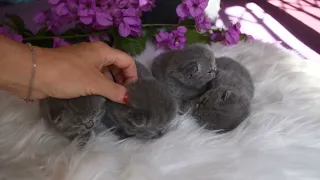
x: 138, y: 118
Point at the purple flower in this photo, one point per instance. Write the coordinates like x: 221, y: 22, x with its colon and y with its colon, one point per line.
x: 196, y: 7
x: 86, y: 11
x: 95, y: 38
x: 131, y: 23
x: 174, y: 40
x: 237, y: 27
x: 40, y: 17
x: 125, y: 4
x: 163, y: 39
x: 15, y: 37
x: 217, y: 36
x: 72, y: 5
x: 146, y: 5
x: 54, y: 2
x: 103, y: 18
x: 106, y: 5
x: 61, y: 9
x: 3, y: 31
x: 182, y: 11
x: 203, y: 23
x: 53, y: 22
x: 134, y: 4
x: 249, y: 37
x: 178, y: 40
x: 232, y: 36
x: 57, y: 42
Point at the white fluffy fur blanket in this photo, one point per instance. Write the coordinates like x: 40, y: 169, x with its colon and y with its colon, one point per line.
x: 280, y: 140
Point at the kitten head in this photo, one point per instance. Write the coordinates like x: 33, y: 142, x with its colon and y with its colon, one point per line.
x: 73, y: 117
x: 192, y: 66
x: 221, y: 109
x: 149, y: 113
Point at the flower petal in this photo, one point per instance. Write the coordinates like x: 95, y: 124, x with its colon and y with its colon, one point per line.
x: 130, y: 12
x: 16, y: 37
x: 131, y: 20
x: 3, y: 31
x: 83, y: 12
x: 61, y: 9
x: 39, y: 18
x: 181, y: 29
x: 86, y: 19
x: 162, y: 36
x: 182, y: 10
x: 103, y: 19
x: 124, y: 30
x: 94, y: 38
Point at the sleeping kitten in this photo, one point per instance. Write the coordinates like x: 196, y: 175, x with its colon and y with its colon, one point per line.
x: 186, y: 72
x: 148, y: 114
x: 227, y: 104
x: 75, y: 117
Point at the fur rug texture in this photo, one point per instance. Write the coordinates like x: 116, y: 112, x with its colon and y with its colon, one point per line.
x: 279, y: 141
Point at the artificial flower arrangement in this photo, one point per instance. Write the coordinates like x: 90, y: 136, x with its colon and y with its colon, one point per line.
x: 118, y: 23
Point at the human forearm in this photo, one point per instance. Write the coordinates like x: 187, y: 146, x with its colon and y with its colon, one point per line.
x: 15, y: 65
x: 13, y: 60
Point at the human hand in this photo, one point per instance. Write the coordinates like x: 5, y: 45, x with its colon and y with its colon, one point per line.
x: 66, y: 72
x: 77, y: 70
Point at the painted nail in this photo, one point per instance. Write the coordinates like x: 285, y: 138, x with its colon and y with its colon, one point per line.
x: 126, y: 98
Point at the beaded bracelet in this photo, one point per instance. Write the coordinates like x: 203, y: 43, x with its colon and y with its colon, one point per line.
x: 33, y: 72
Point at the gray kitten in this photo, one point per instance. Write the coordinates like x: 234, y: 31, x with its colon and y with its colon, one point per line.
x: 186, y: 72
x: 148, y: 114
x: 227, y: 104
x: 73, y: 117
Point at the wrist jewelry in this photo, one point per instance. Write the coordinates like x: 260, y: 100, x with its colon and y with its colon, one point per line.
x: 33, y: 72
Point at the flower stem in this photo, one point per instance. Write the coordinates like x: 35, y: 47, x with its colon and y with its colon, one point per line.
x: 164, y: 25
x: 50, y: 37
x: 96, y: 33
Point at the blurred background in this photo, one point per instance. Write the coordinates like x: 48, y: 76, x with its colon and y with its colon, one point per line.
x: 293, y: 23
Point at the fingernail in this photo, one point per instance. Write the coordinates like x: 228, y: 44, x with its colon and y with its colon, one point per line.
x: 125, y: 98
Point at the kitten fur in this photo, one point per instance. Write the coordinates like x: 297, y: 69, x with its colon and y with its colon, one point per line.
x: 227, y: 104
x: 148, y: 114
x: 75, y: 117
x: 186, y: 72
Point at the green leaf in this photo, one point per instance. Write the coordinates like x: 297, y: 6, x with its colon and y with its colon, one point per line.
x: 148, y: 33
x: 243, y: 37
x: 188, y: 22
x: 16, y: 22
x: 194, y: 37
x: 42, y: 31
x: 133, y: 45
x: 74, y: 36
x: 47, y: 43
